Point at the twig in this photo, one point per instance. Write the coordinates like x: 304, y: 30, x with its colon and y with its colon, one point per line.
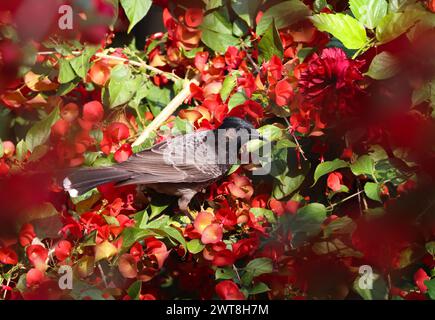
x: 7, y: 285
x: 299, y: 147
x: 166, y: 112
x: 141, y: 64
x: 257, y: 68
x: 103, y: 276
x: 344, y: 200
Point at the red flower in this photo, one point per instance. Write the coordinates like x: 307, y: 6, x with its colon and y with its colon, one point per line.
x: 245, y: 247
x: 283, y: 93
x: 228, y: 290
x: 34, y: 277
x: 250, y: 109
x: 331, y: 80
x: 419, y: 278
x: 234, y: 57
x: 201, y: 59
x: 62, y: 250
x: 212, y: 234
x: 27, y: 234
x: 118, y: 131
x: 8, y: 256
x: 193, y: 17
x: 247, y: 82
x: 8, y: 149
x: 93, y: 112
x: 260, y: 201
x: 335, y: 181
x: 223, y: 258
x: 123, y: 153
x: 127, y: 266
x: 38, y: 256
x: 273, y: 69
x: 70, y: 112
x: 156, y: 249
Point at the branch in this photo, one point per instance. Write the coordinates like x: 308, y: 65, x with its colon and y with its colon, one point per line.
x: 141, y: 64
x: 167, y: 111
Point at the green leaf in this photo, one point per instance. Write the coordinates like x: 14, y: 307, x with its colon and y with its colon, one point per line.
x: 122, y: 86
x: 131, y: 235
x: 395, y: 24
x: 111, y: 220
x: 430, y: 284
x: 195, y: 246
x: 363, y: 165
x: 83, y: 290
x: 287, y: 185
x: 430, y: 248
x: 227, y: 86
x: 246, y: 10
x: 308, y: 220
x: 158, y: 98
x: 236, y: 99
x: 212, y: 4
x: 398, y: 5
x: 271, y: 132
x: 21, y: 150
x: 66, y: 88
x: 218, y: 42
x: 373, y: 191
x: 379, y: 291
x: 261, y: 212
x: 348, y: 30
x: 66, y: 72
x: 259, y: 266
x: 157, y: 208
x: 39, y: 133
x: 233, y: 169
x: 134, y: 290
x: 328, y: 167
x: 85, y: 196
x: 225, y: 273
x: 319, y: 5
x: 218, y: 22
x: 383, y: 66
x: 1, y: 149
x: 172, y: 233
x: 340, y: 225
x: 369, y: 12
x: 258, y: 288
x: 80, y: 64
x: 90, y: 239
x: 141, y: 219
x: 270, y: 44
x: 135, y: 10
x: 425, y: 93
x: 284, y: 14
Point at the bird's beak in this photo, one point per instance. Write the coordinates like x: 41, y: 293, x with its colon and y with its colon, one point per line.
x: 254, y: 134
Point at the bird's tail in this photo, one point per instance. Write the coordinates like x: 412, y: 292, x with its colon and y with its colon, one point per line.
x: 81, y: 181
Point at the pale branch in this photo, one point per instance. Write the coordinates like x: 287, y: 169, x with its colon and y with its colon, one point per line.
x: 141, y: 64
x: 331, y: 207
x: 167, y: 111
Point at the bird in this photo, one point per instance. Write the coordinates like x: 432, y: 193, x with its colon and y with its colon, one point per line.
x: 180, y: 166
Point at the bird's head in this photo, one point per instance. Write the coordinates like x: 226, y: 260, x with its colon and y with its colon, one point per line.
x: 239, y: 130
x: 239, y: 124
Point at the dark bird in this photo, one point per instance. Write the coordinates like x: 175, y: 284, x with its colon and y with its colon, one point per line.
x: 181, y: 166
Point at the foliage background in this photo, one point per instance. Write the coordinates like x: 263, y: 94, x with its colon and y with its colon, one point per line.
x: 343, y: 89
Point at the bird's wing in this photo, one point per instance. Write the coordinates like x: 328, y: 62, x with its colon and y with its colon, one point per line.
x: 186, y: 158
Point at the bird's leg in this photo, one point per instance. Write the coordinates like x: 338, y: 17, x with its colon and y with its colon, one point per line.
x: 183, y: 202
